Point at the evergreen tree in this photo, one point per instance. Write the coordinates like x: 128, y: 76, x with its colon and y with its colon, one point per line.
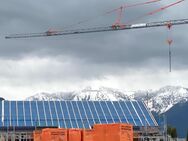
x: 187, y: 136
x: 169, y: 128
x: 173, y: 133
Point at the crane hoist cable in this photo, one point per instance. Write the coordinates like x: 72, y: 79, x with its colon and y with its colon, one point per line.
x: 169, y: 42
x: 155, y: 11
x: 132, y: 5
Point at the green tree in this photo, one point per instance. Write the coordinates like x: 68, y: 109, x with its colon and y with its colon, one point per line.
x: 173, y: 133
x: 187, y: 136
x: 169, y: 128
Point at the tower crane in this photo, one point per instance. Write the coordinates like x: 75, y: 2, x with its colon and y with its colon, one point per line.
x: 100, y: 29
x: 115, y: 27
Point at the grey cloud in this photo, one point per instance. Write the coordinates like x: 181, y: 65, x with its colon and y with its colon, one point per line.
x: 93, y: 56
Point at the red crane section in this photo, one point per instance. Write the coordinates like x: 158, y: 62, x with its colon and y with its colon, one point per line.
x: 132, y: 5
x: 155, y: 11
x: 165, y: 7
x: 121, y: 8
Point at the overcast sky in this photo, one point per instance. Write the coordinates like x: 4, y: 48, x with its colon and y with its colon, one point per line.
x: 127, y: 60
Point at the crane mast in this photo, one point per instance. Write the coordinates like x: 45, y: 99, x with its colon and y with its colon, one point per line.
x: 100, y: 29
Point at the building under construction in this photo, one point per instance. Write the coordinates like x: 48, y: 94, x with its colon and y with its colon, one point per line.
x: 20, y: 118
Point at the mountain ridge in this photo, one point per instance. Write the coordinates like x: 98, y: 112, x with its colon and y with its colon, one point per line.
x: 159, y: 101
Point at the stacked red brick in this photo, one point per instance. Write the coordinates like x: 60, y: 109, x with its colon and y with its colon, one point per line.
x: 113, y: 132
x: 100, y: 132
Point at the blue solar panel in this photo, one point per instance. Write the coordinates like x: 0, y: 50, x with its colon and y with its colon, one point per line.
x: 87, y: 113
x: 146, y: 113
x: 106, y: 111
x: 113, y: 112
x: 134, y: 113
x: 27, y: 110
x: 34, y: 116
x: 21, y: 120
x: 66, y: 115
x: 138, y: 113
x: 1, y: 123
x: 6, y: 114
x: 60, y: 114
x: 94, y: 112
x: 120, y: 112
x: 13, y: 113
x: 78, y: 115
x: 74, y: 114
x: 127, y: 113
x: 42, y: 119
x: 54, y: 117
x: 100, y: 112
x: 83, y: 115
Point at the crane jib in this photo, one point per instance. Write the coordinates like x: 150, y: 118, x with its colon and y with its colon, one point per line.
x: 100, y: 29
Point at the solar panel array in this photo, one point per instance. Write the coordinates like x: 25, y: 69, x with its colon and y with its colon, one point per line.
x: 74, y: 114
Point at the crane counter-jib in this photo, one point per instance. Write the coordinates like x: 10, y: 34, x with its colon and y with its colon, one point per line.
x: 100, y: 29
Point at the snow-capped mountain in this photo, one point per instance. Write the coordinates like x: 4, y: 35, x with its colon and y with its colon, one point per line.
x: 86, y: 94
x: 101, y: 94
x: 165, y: 98
x: 52, y: 96
x: 159, y: 101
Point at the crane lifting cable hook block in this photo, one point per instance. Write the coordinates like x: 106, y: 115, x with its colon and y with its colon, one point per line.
x: 169, y: 41
x: 169, y: 25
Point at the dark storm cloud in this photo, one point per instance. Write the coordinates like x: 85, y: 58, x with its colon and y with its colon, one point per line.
x: 122, y: 49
